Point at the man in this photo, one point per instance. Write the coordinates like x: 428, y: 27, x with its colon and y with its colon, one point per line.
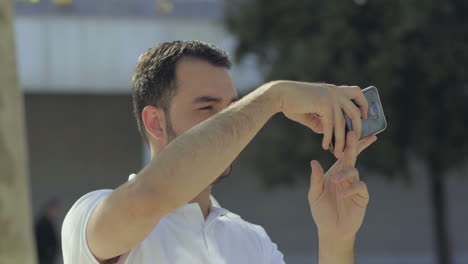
x: 189, y: 113
x: 47, y: 240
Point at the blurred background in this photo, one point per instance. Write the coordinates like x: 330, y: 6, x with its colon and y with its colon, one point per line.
x: 75, y: 60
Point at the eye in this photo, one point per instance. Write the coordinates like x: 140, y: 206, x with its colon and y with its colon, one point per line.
x: 206, y: 108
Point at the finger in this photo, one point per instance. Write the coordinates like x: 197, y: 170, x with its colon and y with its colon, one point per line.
x: 366, y: 142
x: 316, y: 181
x: 355, y: 93
x: 339, y: 132
x: 316, y: 124
x: 358, y: 188
x: 350, y: 175
x: 360, y: 201
x: 352, y: 111
x: 350, y: 153
x: 327, y: 122
x: 313, y: 122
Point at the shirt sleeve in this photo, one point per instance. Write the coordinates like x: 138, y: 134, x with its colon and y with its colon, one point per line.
x: 271, y: 253
x: 74, y: 244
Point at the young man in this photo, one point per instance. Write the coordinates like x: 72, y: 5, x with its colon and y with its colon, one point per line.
x: 189, y: 113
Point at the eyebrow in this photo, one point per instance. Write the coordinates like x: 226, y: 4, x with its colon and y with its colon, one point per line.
x: 209, y: 99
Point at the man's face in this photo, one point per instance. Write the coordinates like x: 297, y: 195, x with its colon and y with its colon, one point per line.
x: 202, y: 90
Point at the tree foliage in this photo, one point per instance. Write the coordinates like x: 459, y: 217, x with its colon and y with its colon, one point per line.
x: 414, y: 51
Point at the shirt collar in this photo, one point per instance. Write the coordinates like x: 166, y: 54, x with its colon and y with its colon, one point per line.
x: 190, y: 215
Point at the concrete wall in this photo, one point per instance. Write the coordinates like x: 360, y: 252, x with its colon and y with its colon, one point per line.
x: 80, y: 143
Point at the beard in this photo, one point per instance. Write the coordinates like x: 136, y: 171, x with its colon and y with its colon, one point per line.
x: 224, y: 175
x: 171, y: 135
x: 170, y: 130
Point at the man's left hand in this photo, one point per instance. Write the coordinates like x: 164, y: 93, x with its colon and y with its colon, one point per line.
x: 338, y: 199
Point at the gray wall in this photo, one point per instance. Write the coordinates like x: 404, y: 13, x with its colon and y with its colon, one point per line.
x: 80, y: 143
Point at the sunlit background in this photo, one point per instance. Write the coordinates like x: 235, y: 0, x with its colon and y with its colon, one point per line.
x: 75, y: 62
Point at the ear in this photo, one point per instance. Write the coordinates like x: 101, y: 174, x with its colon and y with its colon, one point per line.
x: 154, y: 122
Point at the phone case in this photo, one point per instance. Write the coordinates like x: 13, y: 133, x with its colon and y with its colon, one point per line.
x: 375, y: 122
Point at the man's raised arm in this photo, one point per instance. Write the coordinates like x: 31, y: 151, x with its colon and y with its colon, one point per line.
x: 186, y: 166
x: 196, y: 158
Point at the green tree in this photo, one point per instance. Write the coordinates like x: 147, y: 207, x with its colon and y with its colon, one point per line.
x: 16, y: 236
x: 414, y: 51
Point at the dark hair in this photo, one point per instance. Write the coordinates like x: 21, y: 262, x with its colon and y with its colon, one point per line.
x: 154, y: 78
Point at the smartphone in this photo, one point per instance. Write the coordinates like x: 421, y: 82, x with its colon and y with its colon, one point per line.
x: 375, y: 122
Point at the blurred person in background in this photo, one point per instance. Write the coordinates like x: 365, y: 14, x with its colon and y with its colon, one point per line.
x: 190, y: 115
x: 47, y: 239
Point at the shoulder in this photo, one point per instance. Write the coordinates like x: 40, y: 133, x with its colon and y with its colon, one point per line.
x: 74, y: 246
x: 90, y: 197
x: 83, y: 207
x: 86, y: 204
x: 269, y: 250
x: 258, y: 231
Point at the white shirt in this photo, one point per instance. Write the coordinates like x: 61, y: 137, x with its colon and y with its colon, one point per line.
x: 180, y: 237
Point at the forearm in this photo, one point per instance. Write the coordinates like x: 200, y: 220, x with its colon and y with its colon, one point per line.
x: 196, y: 158
x: 335, y: 251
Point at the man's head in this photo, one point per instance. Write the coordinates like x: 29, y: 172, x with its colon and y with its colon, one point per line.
x: 51, y: 208
x: 177, y: 85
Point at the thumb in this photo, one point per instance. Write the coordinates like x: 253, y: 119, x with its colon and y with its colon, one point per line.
x: 316, y: 181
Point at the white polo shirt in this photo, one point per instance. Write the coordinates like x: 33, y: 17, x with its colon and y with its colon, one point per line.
x: 180, y: 237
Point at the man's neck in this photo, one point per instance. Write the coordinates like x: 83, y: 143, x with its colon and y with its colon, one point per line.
x: 203, y: 200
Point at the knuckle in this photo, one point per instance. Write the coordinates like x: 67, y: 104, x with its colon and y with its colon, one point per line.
x: 345, y: 175
x: 333, y: 98
x: 355, y: 171
x: 327, y: 96
x: 356, y: 114
x: 364, y: 100
x: 363, y: 185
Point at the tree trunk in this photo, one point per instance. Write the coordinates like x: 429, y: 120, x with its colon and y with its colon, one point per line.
x: 16, y: 236
x: 439, y: 210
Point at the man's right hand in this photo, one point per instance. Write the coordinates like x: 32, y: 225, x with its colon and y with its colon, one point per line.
x: 321, y: 107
